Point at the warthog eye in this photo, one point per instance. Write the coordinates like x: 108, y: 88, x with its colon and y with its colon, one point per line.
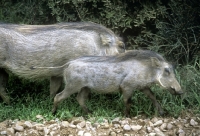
x: 167, y: 71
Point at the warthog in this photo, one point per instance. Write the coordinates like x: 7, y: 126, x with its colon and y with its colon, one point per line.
x: 23, y: 46
x: 126, y: 72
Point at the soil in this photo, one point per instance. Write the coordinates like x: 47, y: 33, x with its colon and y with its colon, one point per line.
x: 187, y: 125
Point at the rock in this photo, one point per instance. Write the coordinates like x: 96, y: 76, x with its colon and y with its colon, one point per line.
x: 163, y: 127
x: 105, y: 126
x: 158, y: 123
x: 116, y: 125
x: 193, y: 123
x: 27, y: 124
x: 181, y: 132
x: 39, y: 128
x: 116, y: 120
x: 158, y: 132
x: 169, y: 126
x: 46, y: 131
x: 124, y: 122
x: 72, y: 126
x: 96, y: 125
x: 65, y: 124
x: 136, y: 127
x: 81, y: 124
x: 80, y: 133
x: 127, y: 127
x: 52, y: 126
x: 113, y: 133
x: 3, y: 133
x: 149, y: 129
x: 10, y: 131
x: 87, y: 134
x: 154, y: 119
x: 152, y: 134
x: 19, y: 128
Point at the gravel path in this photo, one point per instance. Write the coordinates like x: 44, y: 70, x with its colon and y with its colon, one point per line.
x: 78, y: 126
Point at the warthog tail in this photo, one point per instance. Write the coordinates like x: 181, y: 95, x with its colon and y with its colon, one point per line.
x: 35, y: 67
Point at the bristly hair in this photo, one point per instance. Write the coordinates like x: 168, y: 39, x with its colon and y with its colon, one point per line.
x: 133, y: 54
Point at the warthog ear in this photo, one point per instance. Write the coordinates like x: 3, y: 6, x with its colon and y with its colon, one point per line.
x: 155, y: 62
x: 106, y: 41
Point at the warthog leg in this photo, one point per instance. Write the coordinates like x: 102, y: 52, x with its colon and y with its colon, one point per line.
x: 3, y: 82
x: 150, y: 95
x: 61, y: 96
x: 127, y: 94
x: 55, y: 83
x: 82, y: 97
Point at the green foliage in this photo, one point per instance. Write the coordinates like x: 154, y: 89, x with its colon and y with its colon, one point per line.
x: 172, y: 29
x: 168, y: 27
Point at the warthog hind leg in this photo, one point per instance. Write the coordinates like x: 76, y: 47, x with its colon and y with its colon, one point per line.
x: 3, y: 82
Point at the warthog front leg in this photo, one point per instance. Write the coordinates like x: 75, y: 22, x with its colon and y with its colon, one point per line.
x: 82, y: 97
x: 3, y: 82
x: 150, y: 95
x: 127, y: 94
x: 55, y: 83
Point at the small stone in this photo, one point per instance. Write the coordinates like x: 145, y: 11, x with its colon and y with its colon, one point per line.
x: 96, y: 125
x: 124, y: 122
x: 3, y: 133
x: 181, y: 132
x: 151, y: 134
x: 87, y: 134
x: 80, y: 133
x: 65, y: 124
x: 81, y: 124
x: 52, y: 133
x: 193, y: 123
x: 158, y: 123
x: 113, y: 133
x: 163, y: 127
x: 105, y: 126
x: 154, y: 119
x: 19, y: 128
x: 149, y: 129
x: 127, y: 127
x: 136, y: 127
x: 116, y: 120
x: 158, y: 132
x: 52, y: 126
x: 169, y: 126
x: 10, y: 131
x: 38, y: 128
x: 126, y: 134
x: 46, y: 131
x: 72, y: 126
x: 28, y: 124
x: 116, y: 125
x: 187, y: 125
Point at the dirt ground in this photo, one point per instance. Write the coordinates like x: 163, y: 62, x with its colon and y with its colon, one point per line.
x: 187, y: 125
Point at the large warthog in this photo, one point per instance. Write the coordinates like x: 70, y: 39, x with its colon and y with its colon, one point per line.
x: 23, y: 46
x: 124, y: 73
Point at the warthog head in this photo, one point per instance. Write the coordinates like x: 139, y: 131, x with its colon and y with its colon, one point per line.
x: 166, y: 77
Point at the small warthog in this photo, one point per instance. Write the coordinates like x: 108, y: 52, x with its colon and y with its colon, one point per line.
x: 126, y: 72
x: 23, y: 46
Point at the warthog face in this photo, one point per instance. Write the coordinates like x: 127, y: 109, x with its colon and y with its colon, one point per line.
x: 166, y: 77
